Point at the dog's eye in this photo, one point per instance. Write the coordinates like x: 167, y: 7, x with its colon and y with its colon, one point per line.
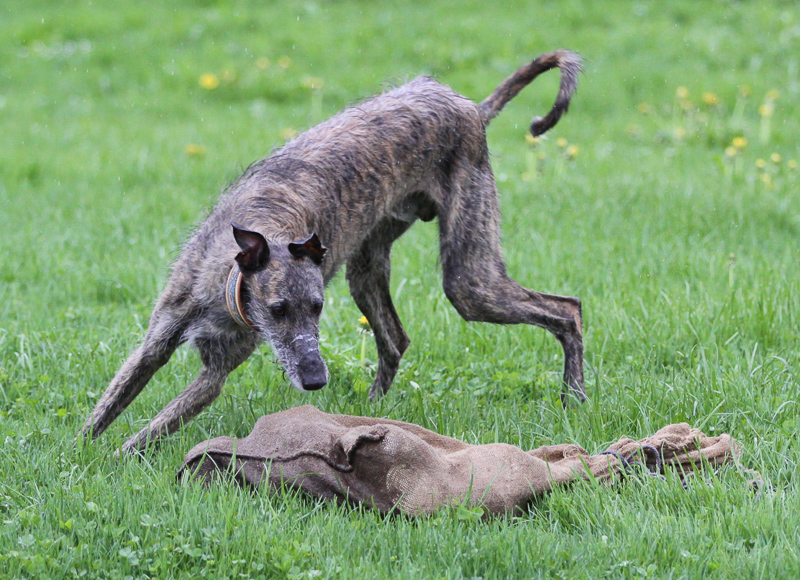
x: 278, y: 311
x: 316, y: 308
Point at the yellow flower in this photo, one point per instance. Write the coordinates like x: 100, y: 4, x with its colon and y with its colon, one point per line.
x: 195, y: 150
x: 364, y: 323
x: 208, y: 81
x: 792, y: 164
x: 633, y: 131
x: 731, y: 151
x: 644, y: 108
x: 531, y: 140
x: 766, y: 109
x: 313, y: 83
x: 760, y: 163
x: 775, y: 158
x: 572, y: 151
x: 287, y: 133
x: 284, y: 62
x: 681, y: 92
x: 561, y: 142
x: 739, y: 142
x: 710, y: 98
x: 766, y: 179
x: 744, y: 91
x: 262, y: 62
x: 679, y: 132
x: 773, y: 94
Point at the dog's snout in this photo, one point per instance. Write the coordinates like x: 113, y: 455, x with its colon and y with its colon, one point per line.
x: 313, y: 373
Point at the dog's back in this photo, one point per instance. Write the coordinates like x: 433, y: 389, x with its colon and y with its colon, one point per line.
x: 341, y: 177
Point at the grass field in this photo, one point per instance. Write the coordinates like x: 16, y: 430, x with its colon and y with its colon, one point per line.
x: 122, y: 122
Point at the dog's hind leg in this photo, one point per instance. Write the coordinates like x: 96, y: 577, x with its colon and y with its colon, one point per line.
x: 368, y: 272
x: 220, y: 357
x: 475, y: 279
x: 163, y: 336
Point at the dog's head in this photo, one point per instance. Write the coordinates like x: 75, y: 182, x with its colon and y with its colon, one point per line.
x: 283, y: 296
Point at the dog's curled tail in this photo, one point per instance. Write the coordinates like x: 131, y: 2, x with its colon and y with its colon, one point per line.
x: 570, y: 65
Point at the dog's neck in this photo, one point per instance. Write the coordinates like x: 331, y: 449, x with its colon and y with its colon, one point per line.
x: 233, y: 297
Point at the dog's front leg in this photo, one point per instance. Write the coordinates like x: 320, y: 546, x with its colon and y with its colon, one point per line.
x: 196, y: 397
x: 219, y: 360
x: 161, y: 340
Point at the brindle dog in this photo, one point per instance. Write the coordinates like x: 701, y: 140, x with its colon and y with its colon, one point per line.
x: 357, y: 181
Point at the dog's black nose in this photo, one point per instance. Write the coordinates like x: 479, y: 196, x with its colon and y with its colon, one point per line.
x: 315, y: 386
x: 313, y: 374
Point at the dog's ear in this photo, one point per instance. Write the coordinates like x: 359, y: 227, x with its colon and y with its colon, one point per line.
x: 255, y: 250
x: 308, y: 248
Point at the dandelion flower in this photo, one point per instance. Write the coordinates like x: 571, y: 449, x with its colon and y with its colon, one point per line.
x: 364, y: 323
x: 766, y: 179
x: 531, y: 140
x: 572, y: 152
x: 731, y: 151
x: 284, y: 62
x: 287, y: 133
x: 681, y: 92
x: 775, y: 158
x: 634, y: 131
x: 760, y: 163
x: 262, y: 62
x: 679, y: 132
x: 208, y: 81
x: 561, y: 142
x: 739, y: 142
x: 710, y: 98
x: 313, y: 83
x: 773, y: 94
x: 766, y: 109
x: 195, y: 150
x: 792, y: 164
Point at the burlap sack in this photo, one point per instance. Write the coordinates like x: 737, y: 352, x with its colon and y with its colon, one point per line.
x: 391, y: 465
